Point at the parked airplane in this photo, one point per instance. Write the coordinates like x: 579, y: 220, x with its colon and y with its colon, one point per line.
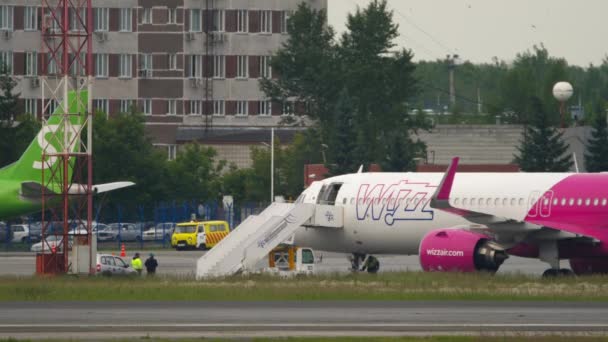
x: 21, y: 183
x: 465, y: 221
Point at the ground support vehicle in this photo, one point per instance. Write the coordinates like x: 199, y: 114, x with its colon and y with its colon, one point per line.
x: 195, y: 234
x: 288, y: 260
x: 111, y: 265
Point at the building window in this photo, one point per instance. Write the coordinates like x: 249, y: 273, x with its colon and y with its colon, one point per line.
x: 31, y: 106
x: 101, y: 19
x: 195, y: 107
x: 126, y: 106
x: 288, y: 108
x: 171, y: 107
x: 265, y: 108
x: 77, y: 64
x: 195, y: 66
x: 219, y: 66
x: 242, y: 66
x: 146, y: 16
x: 219, y: 107
x: 78, y: 22
x: 101, y: 65
x: 52, y: 64
x: 218, y: 21
x: 172, y: 152
x: 266, y: 21
x: 6, y: 18
x: 125, y: 20
x: 125, y: 66
x: 101, y: 105
x: 6, y: 60
x: 147, y: 107
x: 30, y: 18
x: 242, y: 108
x: 171, y: 16
x: 284, y: 19
x: 265, y: 68
x: 172, y: 59
x: 31, y: 64
x: 195, y: 20
x: 242, y: 21
x: 145, y: 62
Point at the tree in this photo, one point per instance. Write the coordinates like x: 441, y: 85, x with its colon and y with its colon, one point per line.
x: 313, y: 69
x: 542, y: 148
x: 345, y: 156
x: 533, y: 74
x: 596, y: 156
x: 123, y: 151
x: 193, y: 175
x: 9, y: 110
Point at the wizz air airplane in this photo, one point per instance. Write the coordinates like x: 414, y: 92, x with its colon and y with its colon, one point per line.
x: 21, y: 183
x: 464, y: 221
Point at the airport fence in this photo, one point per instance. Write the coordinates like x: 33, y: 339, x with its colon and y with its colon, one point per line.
x: 136, y: 226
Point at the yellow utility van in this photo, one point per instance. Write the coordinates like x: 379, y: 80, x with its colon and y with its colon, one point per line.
x: 203, y: 235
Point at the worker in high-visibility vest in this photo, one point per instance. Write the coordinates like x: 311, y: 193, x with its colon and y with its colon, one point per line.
x: 137, y: 264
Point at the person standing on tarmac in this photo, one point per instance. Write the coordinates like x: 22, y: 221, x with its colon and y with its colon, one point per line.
x: 151, y: 265
x: 136, y: 263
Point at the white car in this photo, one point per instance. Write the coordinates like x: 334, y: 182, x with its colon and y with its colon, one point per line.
x: 22, y: 233
x: 55, y: 242
x: 108, y: 264
x: 162, y: 231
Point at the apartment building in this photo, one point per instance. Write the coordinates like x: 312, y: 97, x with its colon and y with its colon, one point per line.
x: 191, y: 66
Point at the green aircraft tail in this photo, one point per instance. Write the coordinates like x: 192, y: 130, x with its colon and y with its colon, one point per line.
x: 29, y: 167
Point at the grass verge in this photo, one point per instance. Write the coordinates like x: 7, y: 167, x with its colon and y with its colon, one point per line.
x: 388, y: 286
x: 522, y: 338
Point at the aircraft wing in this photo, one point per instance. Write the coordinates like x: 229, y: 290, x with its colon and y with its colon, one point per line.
x: 33, y: 190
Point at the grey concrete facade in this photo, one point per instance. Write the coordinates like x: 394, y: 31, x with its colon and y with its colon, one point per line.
x: 186, y: 58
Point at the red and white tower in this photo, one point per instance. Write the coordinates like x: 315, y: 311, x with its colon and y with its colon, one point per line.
x: 67, y: 174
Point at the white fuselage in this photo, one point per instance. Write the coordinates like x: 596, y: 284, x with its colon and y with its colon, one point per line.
x: 389, y: 213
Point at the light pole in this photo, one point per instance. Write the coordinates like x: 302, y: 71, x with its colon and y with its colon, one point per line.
x: 453, y: 61
x: 271, y: 163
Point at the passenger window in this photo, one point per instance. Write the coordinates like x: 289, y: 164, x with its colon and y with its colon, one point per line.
x: 212, y: 228
x: 563, y: 201
x: 521, y: 202
x: 472, y: 201
x: 456, y: 201
x: 587, y: 202
x: 571, y: 202
x: 603, y: 202
x: 119, y: 262
x: 512, y: 202
x: 352, y: 201
x: 489, y: 202
x: 505, y: 201
x: 464, y: 201
x: 595, y: 202
x: 546, y: 201
x: 554, y: 201
x: 110, y: 261
x: 496, y: 201
x: 579, y: 202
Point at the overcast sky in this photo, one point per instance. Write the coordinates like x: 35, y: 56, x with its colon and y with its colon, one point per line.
x: 477, y: 30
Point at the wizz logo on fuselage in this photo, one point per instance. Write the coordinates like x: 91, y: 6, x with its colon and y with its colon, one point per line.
x: 394, y: 202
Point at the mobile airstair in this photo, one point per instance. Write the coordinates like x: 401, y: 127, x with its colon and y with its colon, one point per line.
x: 253, y: 239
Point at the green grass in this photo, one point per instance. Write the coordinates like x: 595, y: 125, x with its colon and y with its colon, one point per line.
x: 388, y: 286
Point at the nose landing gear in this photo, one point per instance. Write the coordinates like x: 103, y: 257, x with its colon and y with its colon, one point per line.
x: 362, y: 262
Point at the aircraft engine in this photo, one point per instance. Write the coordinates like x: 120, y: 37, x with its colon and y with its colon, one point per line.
x: 582, y: 266
x: 460, y: 250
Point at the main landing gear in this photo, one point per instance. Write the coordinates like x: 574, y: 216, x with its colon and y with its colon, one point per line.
x: 548, y: 252
x: 361, y: 262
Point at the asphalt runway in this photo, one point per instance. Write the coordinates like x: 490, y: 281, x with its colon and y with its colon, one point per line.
x: 346, y: 318
x: 184, y: 263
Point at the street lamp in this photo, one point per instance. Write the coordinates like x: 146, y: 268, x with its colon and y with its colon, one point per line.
x: 453, y: 61
x: 271, y: 163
